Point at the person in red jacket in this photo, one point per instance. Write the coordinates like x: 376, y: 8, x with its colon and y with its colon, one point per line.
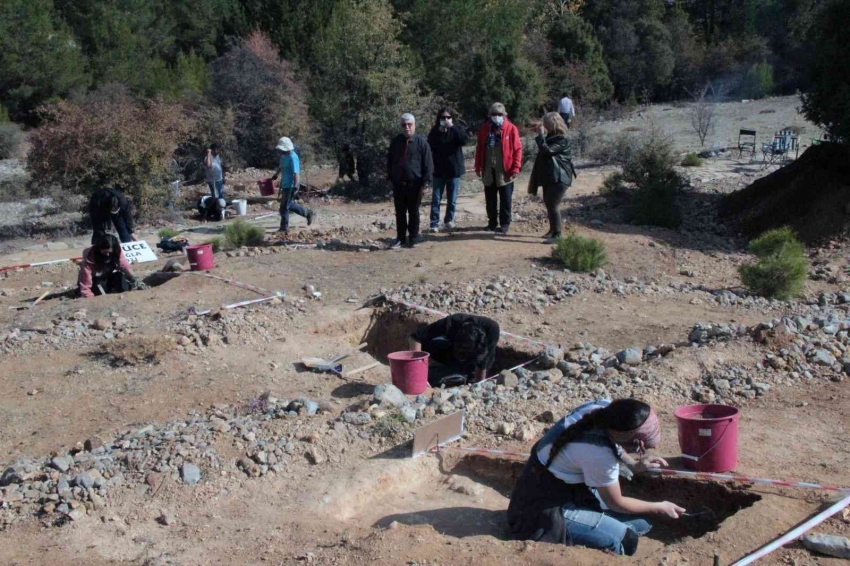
x: 498, y: 160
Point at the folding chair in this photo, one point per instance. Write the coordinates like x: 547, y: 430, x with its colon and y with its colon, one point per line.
x: 776, y: 152
x: 747, y: 143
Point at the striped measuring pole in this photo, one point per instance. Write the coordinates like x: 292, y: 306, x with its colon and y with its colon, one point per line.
x: 254, y: 288
x: 39, y: 263
x: 745, y: 479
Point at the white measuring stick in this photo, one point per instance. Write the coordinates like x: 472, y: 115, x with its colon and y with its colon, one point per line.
x: 745, y: 479
x: 794, y: 533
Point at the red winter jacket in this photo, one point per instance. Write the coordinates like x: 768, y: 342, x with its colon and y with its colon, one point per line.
x: 511, y: 148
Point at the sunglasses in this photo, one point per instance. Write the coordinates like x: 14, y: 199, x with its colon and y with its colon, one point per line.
x: 446, y: 117
x: 497, y: 114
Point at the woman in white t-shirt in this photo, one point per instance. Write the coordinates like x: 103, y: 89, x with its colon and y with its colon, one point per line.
x: 569, y: 491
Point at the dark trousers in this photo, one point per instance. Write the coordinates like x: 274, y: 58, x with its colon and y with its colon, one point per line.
x: 448, y: 372
x: 499, y: 197
x: 566, y: 118
x: 115, y: 282
x: 120, y: 227
x: 407, y: 197
x: 288, y: 205
x: 552, y: 197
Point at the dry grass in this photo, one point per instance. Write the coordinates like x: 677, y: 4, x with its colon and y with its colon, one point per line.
x: 138, y: 350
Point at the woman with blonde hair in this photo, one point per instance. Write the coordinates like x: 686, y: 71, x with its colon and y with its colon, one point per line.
x: 553, y: 169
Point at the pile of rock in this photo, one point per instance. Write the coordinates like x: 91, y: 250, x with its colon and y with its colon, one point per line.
x: 61, y: 333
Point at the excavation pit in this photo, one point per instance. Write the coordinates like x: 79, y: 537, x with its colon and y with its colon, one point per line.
x: 462, y: 495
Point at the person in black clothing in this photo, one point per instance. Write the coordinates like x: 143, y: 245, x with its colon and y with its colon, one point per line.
x: 107, y: 207
x: 464, y: 343
x: 446, y: 141
x: 411, y: 169
x: 212, y: 209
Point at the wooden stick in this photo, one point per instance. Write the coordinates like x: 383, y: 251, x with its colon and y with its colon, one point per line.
x: 362, y: 369
x: 38, y: 300
x: 348, y: 353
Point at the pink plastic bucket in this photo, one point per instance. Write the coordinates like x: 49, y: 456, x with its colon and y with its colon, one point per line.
x: 200, y: 257
x: 409, y: 371
x: 266, y: 187
x: 708, y: 437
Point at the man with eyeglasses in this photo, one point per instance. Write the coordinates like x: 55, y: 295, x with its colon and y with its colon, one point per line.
x: 498, y: 160
x: 411, y: 169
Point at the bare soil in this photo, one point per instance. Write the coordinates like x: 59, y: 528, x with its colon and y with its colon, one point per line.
x: 368, y: 502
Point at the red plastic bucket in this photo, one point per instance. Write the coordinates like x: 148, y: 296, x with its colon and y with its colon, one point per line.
x: 200, y: 257
x: 266, y: 187
x: 708, y: 437
x: 409, y: 371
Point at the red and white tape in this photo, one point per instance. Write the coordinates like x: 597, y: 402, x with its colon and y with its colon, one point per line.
x: 254, y: 288
x: 441, y: 314
x: 241, y: 304
x: 40, y: 263
x: 746, y: 479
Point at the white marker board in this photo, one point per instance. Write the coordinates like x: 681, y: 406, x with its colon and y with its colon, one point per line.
x: 138, y: 252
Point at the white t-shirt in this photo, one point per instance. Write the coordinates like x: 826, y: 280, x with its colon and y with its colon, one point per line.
x: 594, y: 466
x: 566, y: 106
x: 214, y: 171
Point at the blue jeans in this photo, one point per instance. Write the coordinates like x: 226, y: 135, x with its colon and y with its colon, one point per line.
x: 450, y: 186
x: 605, y: 530
x: 216, y: 188
x: 287, y: 205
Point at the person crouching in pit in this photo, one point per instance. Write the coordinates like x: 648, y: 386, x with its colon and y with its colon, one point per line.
x: 105, y: 270
x: 464, y: 344
x: 569, y: 491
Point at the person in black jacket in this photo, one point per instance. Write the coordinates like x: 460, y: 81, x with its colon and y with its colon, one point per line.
x: 446, y: 141
x: 553, y: 169
x: 109, y: 206
x: 464, y: 344
x: 411, y: 170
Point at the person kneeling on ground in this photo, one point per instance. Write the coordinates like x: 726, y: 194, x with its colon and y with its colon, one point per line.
x: 212, y: 209
x: 569, y: 491
x: 465, y: 344
x: 104, y: 269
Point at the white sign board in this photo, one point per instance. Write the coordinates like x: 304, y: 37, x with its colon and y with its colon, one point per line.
x: 138, y: 252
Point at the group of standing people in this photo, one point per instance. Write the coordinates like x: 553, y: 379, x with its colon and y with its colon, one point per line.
x: 416, y: 163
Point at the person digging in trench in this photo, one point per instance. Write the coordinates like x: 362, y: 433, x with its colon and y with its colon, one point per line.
x: 105, y: 270
x: 212, y: 209
x: 569, y: 491
x: 464, y: 345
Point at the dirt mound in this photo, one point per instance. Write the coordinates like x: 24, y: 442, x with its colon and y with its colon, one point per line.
x: 812, y: 195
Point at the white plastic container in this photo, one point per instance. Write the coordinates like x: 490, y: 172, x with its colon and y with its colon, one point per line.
x: 240, y: 206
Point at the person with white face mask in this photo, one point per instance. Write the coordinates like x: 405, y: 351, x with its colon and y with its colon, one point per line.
x: 498, y: 160
x: 446, y: 140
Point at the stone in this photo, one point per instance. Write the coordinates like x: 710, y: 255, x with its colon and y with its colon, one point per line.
x: 408, y: 414
x: 830, y: 545
x: 761, y: 388
x: 249, y: 467
x: 311, y: 407
x: 508, y: 379
x: 190, y: 473
x: 389, y: 394
x: 92, y: 444
x: 89, y: 479
x: 102, y: 324
x: 62, y: 463
x: 547, y: 417
x: 315, y: 456
x: 823, y: 357
x: 777, y: 363
x: 630, y: 356
x: 721, y: 385
x: 597, y: 388
x: 465, y: 486
x: 77, y: 514
x: 526, y: 433
x: 505, y: 428
x: 166, y: 518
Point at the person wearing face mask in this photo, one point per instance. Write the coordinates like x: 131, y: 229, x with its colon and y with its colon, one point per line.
x: 553, y: 169
x: 108, y: 207
x: 410, y: 168
x: 105, y: 270
x: 498, y: 160
x: 446, y: 141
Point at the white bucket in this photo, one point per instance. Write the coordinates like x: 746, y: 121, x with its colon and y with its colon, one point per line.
x: 241, y: 207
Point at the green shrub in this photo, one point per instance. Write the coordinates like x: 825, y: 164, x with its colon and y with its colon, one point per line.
x: 692, y: 160
x: 108, y: 138
x: 782, y: 267
x: 578, y: 253
x: 390, y: 425
x: 167, y: 232
x: 4, y: 115
x: 217, y: 244
x: 650, y: 168
x: 11, y: 138
x: 611, y: 184
x: 241, y: 233
x: 758, y: 82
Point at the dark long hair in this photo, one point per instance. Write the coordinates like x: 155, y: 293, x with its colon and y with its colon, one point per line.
x: 471, y: 343
x: 102, y: 242
x: 447, y: 109
x: 621, y: 415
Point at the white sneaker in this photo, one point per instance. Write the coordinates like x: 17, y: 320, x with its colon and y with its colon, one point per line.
x: 449, y: 225
x: 434, y: 229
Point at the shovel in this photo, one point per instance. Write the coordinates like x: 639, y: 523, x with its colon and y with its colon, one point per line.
x: 323, y: 365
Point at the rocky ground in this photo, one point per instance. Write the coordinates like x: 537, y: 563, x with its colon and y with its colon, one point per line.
x: 136, y: 431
